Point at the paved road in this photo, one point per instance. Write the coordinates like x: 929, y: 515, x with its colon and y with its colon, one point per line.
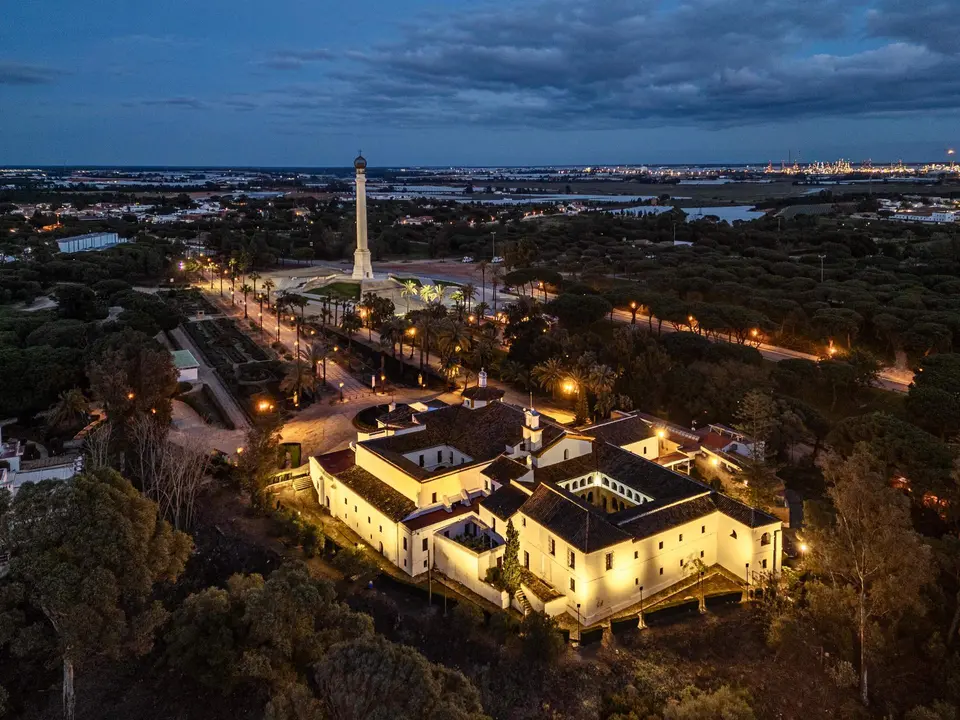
x: 212, y: 380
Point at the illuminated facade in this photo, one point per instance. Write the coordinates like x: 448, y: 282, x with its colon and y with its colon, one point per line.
x: 600, y: 525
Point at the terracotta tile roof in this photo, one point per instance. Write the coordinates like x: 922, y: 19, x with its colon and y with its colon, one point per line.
x: 505, y: 502
x: 572, y: 520
x: 481, y: 434
x: 742, y: 512
x: 338, y: 461
x: 439, y: 515
x: 376, y: 492
x: 505, y: 469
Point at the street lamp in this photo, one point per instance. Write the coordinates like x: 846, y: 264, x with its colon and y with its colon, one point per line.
x: 341, y: 391
x: 641, y: 622
x: 578, y: 624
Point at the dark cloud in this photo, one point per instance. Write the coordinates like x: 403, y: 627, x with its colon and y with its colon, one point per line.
x: 626, y: 63
x: 187, y: 103
x: 12, y: 73
x: 296, y: 59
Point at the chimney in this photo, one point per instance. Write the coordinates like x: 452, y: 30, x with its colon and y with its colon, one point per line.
x: 392, y: 406
x: 482, y: 378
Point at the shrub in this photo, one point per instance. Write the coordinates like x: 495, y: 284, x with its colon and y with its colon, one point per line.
x: 354, y: 561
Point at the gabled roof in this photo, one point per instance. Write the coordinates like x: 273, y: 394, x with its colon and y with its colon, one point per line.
x: 742, y: 512
x: 628, y: 469
x: 657, y: 520
x: 384, y: 498
x: 482, y: 434
x: 621, y: 432
x: 505, y: 502
x: 505, y: 469
x: 574, y: 521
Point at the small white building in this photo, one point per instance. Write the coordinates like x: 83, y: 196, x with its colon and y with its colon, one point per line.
x: 15, y: 471
x: 188, y: 369
x: 926, y: 216
x: 90, y: 241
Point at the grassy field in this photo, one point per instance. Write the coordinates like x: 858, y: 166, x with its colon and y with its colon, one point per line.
x: 340, y: 290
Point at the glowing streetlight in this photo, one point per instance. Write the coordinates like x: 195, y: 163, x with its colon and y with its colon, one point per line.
x: 661, y: 434
x: 130, y: 396
x: 804, y: 547
x: 341, y: 391
x: 569, y: 386
x: 239, y: 451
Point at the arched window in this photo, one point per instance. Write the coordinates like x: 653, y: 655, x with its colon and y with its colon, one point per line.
x: 566, y: 454
x: 765, y: 539
x: 590, y: 497
x: 381, y: 548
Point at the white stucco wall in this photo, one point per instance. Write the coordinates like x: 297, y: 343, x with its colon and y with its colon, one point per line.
x: 647, y: 448
x: 573, y: 447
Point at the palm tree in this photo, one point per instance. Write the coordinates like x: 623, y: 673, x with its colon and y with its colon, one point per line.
x: 408, y: 291
x: 390, y: 333
x: 319, y: 352
x: 581, y: 382
x: 450, y: 368
x: 457, y: 298
x: 246, y: 290
x: 453, y: 337
x: 427, y: 293
x: 350, y: 324
x: 254, y: 276
x: 298, y: 378
x: 484, y: 349
x: 71, y: 409
x: 439, y: 292
x: 482, y: 269
x: 469, y: 293
x: 600, y: 378
x: 550, y: 375
x: 279, y: 304
x: 512, y: 371
x: 425, y: 327
x: 496, y: 276
x: 482, y: 309
x: 268, y: 285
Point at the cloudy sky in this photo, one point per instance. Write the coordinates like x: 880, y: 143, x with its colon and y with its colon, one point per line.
x: 486, y: 82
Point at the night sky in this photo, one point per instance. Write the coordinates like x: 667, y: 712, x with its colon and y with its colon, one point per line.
x: 308, y: 82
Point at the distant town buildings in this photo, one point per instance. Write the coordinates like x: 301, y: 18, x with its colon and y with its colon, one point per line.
x: 15, y: 471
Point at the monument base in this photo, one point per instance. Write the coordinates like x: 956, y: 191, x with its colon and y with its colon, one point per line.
x: 362, y: 267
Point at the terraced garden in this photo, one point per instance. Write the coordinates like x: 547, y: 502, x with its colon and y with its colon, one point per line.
x: 223, y: 345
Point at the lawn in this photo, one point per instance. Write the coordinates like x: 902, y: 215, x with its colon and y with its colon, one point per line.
x: 338, y: 290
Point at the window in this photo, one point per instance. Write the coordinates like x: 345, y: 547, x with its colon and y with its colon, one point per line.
x: 523, y: 522
x: 765, y: 539
x: 703, y: 529
x: 404, y: 543
x: 660, y: 545
x: 446, y: 533
x: 526, y: 559
x: 368, y: 520
x: 424, y: 563
x: 566, y: 454
x: 451, y: 457
x: 572, y: 560
x: 636, y: 554
x: 355, y: 509
x: 609, y: 561
x: 404, y: 562
x: 486, y: 484
x: 681, y: 562
x: 661, y: 571
x: 763, y: 564
x: 552, y: 545
x: 605, y: 483
x: 573, y: 585
x: 425, y: 544
x: 733, y: 534
x: 636, y: 581
x: 381, y: 528
x: 421, y: 461
x: 494, y: 524
x: 433, y: 497
x: 344, y: 501
x: 439, y: 456
x: 681, y: 537
x: 701, y: 553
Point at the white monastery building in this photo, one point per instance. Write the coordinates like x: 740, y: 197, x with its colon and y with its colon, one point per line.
x: 91, y: 241
x: 602, y: 518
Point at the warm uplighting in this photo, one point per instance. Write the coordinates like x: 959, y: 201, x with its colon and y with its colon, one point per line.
x: 569, y: 386
x: 471, y: 318
x: 714, y: 461
x: 264, y: 406
x: 457, y: 348
x: 153, y: 411
x: 633, y: 304
x: 804, y: 547
x: 239, y: 451
x: 690, y: 319
x: 130, y: 396
x: 661, y: 434
x: 411, y: 332
x: 336, y: 348
x: 754, y: 332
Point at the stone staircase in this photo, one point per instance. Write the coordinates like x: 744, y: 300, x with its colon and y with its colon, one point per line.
x: 524, y: 603
x: 302, y: 482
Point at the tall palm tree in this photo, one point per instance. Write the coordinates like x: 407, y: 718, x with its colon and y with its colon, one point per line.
x: 408, y: 291
x: 484, y: 349
x: 426, y: 326
x: 550, y: 375
x: 246, y: 290
x: 319, y: 352
x: 581, y: 381
x: 279, y: 303
x: 390, y: 333
x: 298, y: 378
x: 268, y: 285
x: 496, y: 278
x: 254, y: 276
x: 482, y: 269
x: 469, y: 293
x: 350, y: 324
x: 440, y: 292
x: 482, y: 309
x: 453, y: 337
x: 427, y: 293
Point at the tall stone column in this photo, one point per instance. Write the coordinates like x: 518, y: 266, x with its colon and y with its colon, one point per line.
x: 362, y: 267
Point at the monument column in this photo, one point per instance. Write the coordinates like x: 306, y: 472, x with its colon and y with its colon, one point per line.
x: 362, y: 267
